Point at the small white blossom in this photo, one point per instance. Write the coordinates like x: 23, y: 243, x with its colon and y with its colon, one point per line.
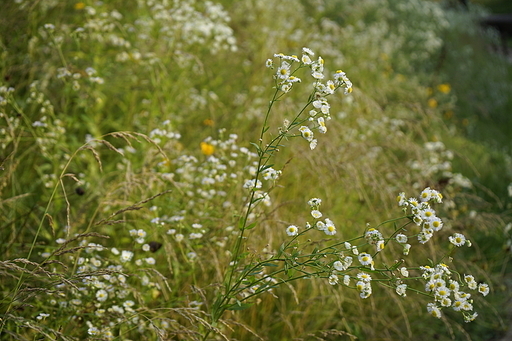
x: 306, y: 133
x: 400, y: 290
x: 483, y: 289
x: 126, y: 256
x: 316, y: 214
x: 457, y: 239
x: 333, y: 279
x: 330, y: 229
x: 101, y: 295
x: 292, y: 230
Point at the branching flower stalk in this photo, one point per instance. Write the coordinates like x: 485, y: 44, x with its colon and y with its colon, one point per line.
x: 284, y: 80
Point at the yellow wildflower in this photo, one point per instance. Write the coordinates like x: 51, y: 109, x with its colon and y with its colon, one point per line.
x: 444, y: 88
x: 432, y: 103
x: 208, y: 122
x: 207, y: 149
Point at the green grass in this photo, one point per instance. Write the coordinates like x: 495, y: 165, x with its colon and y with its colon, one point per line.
x: 112, y: 159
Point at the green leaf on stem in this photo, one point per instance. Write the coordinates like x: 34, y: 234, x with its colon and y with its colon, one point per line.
x: 266, y: 167
x: 258, y: 149
x: 290, y: 272
x: 256, y: 271
x: 250, y: 226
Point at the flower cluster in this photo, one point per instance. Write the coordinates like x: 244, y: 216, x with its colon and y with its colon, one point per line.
x: 255, y: 283
x: 435, y: 162
x: 445, y: 286
x: 363, y: 285
x: 422, y: 213
x: 344, y: 263
x: 102, y: 279
x: 5, y: 92
x: 448, y: 292
x: 210, y: 178
x: 325, y: 225
x: 164, y: 133
x: 193, y: 22
x: 10, y: 123
x: 320, y: 113
x: 374, y: 237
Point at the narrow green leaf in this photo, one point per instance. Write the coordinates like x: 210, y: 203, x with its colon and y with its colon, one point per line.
x: 255, y: 145
x: 266, y: 167
x: 254, y: 273
x: 250, y: 226
x: 395, y: 266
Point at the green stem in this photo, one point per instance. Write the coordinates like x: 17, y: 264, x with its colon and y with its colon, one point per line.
x: 231, y: 285
x: 218, y: 307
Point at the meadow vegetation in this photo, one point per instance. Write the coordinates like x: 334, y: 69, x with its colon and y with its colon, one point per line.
x: 253, y: 170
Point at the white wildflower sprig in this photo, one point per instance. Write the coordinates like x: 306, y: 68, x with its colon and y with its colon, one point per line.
x: 447, y: 291
x: 422, y: 213
x: 333, y: 259
x: 285, y: 79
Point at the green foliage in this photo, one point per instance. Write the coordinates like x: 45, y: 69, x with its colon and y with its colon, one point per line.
x: 130, y: 133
